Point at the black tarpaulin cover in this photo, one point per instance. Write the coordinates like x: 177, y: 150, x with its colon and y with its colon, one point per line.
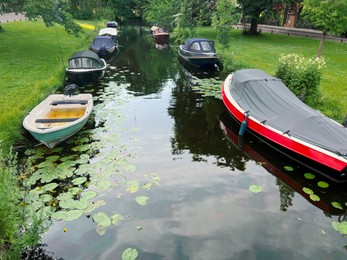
x: 267, y: 98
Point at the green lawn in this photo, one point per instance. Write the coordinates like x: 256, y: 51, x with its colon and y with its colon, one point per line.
x: 33, y: 58
x: 264, y: 50
x: 32, y: 61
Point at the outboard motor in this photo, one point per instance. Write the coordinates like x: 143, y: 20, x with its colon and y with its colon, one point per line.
x: 70, y: 90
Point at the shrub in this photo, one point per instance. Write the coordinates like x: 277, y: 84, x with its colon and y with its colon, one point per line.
x: 301, y: 75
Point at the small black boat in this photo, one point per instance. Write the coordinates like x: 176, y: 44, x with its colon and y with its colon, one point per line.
x: 199, y: 52
x: 85, y: 67
x: 104, y: 46
x: 112, y: 24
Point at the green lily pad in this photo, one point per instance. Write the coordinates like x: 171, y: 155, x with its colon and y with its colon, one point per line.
x: 102, y: 219
x: 116, y: 218
x: 52, y: 158
x: 340, y: 226
x: 79, y: 180
x: 89, y: 194
x: 288, y: 168
x: 314, y: 197
x: 309, y: 176
x: 323, y: 184
x: 308, y: 191
x: 49, y: 186
x: 255, y: 188
x: 72, y: 215
x: 142, y: 200
x: 129, y: 254
x: 336, y: 205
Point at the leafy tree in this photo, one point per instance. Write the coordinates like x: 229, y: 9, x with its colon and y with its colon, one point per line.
x: 253, y: 9
x: 326, y: 15
x: 51, y: 11
x: 223, y: 17
x: 160, y: 12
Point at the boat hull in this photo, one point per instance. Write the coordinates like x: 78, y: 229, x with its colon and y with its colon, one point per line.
x: 83, y: 76
x: 58, y: 117
x: 199, y: 59
x: 312, y: 155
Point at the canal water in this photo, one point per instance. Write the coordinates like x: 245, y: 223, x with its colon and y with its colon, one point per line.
x: 165, y: 175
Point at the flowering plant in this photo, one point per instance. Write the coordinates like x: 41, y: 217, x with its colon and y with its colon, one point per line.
x: 301, y: 75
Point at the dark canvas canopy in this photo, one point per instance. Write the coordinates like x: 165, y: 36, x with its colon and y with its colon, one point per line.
x: 85, y: 59
x: 86, y: 54
x: 102, y: 42
x: 269, y: 100
x: 199, y: 45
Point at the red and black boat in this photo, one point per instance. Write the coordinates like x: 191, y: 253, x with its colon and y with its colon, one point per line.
x: 266, y: 107
x: 160, y: 34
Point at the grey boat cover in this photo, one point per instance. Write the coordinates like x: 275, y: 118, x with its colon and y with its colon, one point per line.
x: 268, y: 99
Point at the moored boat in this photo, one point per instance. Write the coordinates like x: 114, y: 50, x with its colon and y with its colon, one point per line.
x: 104, y: 46
x: 58, y: 117
x: 199, y: 52
x: 111, y: 32
x: 160, y: 34
x: 286, y: 170
x: 85, y: 67
x: 269, y: 109
x: 112, y: 24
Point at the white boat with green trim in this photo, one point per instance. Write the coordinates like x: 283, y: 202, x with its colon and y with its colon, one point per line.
x: 58, y: 117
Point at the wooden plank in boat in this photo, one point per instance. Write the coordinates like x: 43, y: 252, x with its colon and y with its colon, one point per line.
x: 55, y: 120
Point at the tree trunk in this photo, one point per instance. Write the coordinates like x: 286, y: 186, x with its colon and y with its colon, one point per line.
x: 321, y: 44
x: 254, y: 26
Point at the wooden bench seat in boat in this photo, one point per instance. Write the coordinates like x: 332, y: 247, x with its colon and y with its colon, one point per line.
x: 56, y: 120
x: 70, y: 102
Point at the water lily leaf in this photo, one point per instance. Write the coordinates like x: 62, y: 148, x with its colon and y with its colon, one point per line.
x: 49, y: 187
x: 68, y: 158
x: 66, y: 165
x: 57, y: 149
x: 142, y: 200
x: 65, y: 196
x: 29, y: 152
x: 104, y: 185
x: 82, y: 140
x: 74, y: 191
x: 102, y: 219
x: 116, y: 218
x: 67, y: 204
x: 46, y: 198
x: 133, y: 184
x: 89, y: 194
x: 101, y: 230
x: 79, y: 180
x: 314, y: 197
x: 45, y: 164
x: 288, y: 168
x: 308, y: 191
x: 72, y: 215
x: 52, y: 158
x: 133, y: 189
x: 129, y: 254
x: 58, y: 215
x: 95, y: 205
x: 340, y: 226
x: 336, y: 205
x: 323, y: 184
x: 147, y: 186
x: 83, y: 203
x: 81, y: 148
x: 255, y: 188
x: 309, y: 176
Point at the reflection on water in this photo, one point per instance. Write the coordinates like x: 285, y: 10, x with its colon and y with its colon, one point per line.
x: 175, y: 151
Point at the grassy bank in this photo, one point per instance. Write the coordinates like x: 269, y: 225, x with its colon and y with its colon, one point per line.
x: 263, y: 52
x: 33, y: 59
